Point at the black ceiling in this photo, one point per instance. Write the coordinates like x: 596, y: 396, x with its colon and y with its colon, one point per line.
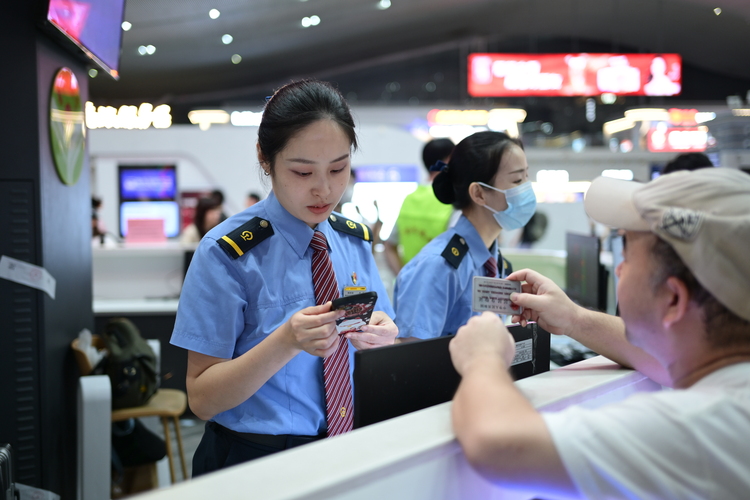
x: 390, y: 55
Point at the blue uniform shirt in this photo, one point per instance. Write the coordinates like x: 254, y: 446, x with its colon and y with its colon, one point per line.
x: 228, y: 306
x: 431, y: 297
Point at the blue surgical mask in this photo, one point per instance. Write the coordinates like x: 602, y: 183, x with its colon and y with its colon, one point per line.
x: 521, y: 206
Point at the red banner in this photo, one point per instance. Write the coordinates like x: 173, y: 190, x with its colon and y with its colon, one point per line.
x: 677, y: 140
x: 518, y: 75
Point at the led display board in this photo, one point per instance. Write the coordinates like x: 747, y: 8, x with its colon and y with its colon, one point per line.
x: 584, y: 74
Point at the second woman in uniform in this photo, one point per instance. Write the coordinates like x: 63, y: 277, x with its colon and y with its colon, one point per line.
x: 487, y: 180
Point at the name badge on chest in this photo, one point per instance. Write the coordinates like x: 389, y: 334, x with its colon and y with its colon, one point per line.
x: 493, y: 294
x: 354, y: 290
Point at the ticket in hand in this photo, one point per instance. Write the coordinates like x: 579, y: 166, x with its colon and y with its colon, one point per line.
x: 493, y: 294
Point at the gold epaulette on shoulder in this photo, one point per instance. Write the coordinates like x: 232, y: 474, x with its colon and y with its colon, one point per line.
x: 245, y: 237
x: 455, y: 251
x: 347, y: 226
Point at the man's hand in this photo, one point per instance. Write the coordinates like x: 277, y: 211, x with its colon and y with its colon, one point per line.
x: 483, y: 339
x: 544, y: 302
x: 381, y: 331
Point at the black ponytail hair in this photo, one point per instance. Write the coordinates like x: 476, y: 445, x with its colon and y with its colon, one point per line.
x: 474, y: 159
x: 295, y: 106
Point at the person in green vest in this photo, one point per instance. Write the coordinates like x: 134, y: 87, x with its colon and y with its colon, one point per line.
x: 422, y: 216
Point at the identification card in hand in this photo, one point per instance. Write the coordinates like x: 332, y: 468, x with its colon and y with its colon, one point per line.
x: 493, y: 294
x: 358, y: 309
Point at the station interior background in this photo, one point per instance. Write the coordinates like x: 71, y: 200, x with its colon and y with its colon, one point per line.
x: 397, y: 62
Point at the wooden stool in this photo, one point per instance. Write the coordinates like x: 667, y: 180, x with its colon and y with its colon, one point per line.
x: 165, y: 403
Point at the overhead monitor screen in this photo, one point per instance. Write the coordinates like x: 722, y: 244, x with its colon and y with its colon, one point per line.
x: 584, y: 74
x: 93, y: 26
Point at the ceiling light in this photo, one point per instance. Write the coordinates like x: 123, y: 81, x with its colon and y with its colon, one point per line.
x: 306, y: 22
x: 614, y: 126
x: 214, y: 13
x: 204, y: 118
x: 717, y: 10
x: 608, y: 98
x: 236, y: 58
x: 126, y: 26
x: 647, y: 115
x: 226, y: 39
x: 314, y: 20
x: 384, y: 4
x: 142, y: 50
x: 93, y: 72
x: 150, y: 49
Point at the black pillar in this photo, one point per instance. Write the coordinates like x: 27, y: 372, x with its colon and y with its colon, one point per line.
x: 47, y: 223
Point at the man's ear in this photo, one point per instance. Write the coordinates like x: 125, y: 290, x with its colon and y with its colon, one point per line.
x: 677, y: 301
x: 477, y: 193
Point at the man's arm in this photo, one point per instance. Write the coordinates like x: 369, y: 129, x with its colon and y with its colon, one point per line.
x: 504, y: 438
x: 544, y: 302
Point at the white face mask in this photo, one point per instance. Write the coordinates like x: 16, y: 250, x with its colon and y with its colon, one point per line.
x: 521, y: 206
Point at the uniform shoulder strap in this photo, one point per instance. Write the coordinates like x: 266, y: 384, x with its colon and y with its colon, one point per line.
x: 348, y: 226
x: 506, y: 267
x: 245, y: 237
x: 455, y: 250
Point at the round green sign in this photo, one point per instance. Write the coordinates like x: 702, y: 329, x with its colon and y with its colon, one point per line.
x: 66, y: 127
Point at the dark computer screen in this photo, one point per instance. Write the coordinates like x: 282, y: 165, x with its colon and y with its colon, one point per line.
x: 585, y: 277
x: 395, y: 380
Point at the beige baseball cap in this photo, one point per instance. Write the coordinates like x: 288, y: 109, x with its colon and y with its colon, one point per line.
x: 704, y: 215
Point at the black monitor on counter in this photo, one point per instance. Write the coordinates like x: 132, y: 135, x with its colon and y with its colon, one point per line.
x: 398, y: 379
x: 585, y: 277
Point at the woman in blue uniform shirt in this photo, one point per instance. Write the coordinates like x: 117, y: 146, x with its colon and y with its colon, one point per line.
x: 248, y: 316
x: 487, y: 180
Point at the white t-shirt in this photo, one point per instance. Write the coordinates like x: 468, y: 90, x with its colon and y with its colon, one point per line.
x: 692, y: 443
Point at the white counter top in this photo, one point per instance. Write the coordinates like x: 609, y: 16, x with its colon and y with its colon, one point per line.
x: 135, y: 306
x: 411, y: 457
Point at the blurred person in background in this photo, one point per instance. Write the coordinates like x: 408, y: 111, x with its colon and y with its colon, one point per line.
x: 687, y: 161
x: 251, y: 199
x: 422, y: 216
x: 487, y: 179
x: 218, y: 195
x: 207, y: 215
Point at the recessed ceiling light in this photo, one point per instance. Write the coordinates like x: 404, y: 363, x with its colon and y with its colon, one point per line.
x: 142, y: 50
x: 214, y: 13
x: 126, y: 26
x: 384, y: 4
x: 717, y: 10
x: 150, y: 49
x: 236, y: 59
x: 306, y: 22
x: 226, y: 39
x: 93, y: 72
x: 314, y: 20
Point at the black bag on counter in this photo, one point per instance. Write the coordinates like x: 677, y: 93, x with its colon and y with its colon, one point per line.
x: 131, y: 364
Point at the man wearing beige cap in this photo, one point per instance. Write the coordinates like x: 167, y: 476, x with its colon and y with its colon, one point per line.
x: 684, y: 297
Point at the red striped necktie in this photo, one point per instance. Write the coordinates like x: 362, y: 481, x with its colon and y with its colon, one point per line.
x: 490, y: 267
x: 336, y: 366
